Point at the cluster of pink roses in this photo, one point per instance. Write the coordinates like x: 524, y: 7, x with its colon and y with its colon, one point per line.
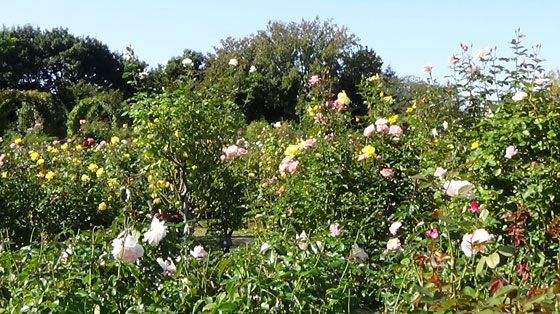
x: 288, y: 164
x: 382, y: 125
x: 232, y: 150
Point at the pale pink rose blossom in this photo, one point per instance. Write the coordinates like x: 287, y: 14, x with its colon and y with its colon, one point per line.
x: 334, y: 230
x: 198, y: 251
x: 314, y: 80
x: 290, y: 210
x: 1, y: 139
x: 369, y: 130
x: 393, y: 244
x: 381, y: 125
x: 82, y: 121
x: 510, y: 152
x: 309, y: 143
x: 363, y: 157
x: 433, y: 233
x: 454, y: 59
x: 395, y: 130
x: 12, y: 146
x: 293, y: 166
x: 128, y: 250
x: 428, y: 68
x: 230, y: 150
x: 386, y: 173
x: 169, y: 268
x: 395, y: 226
x: 440, y: 173
x: 378, y: 157
x: 100, y: 145
x: 222, y: 157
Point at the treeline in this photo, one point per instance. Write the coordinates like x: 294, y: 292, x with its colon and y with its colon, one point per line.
x: 54, y: 78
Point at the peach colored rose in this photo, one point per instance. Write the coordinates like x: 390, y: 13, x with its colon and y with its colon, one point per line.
x: 369, y: 130
x: 386, y: 172
x: 395, y: 130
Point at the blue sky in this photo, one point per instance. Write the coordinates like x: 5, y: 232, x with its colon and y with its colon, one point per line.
x: 405, y: 34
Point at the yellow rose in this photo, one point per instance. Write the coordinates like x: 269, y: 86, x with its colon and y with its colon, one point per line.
x: 100, y: 172
x: 93, y: 167
x: 102, y: 206
x: 409, y: 110
x: 474, y: 145
x: 292, y: 149
x: 34, y: 155
x: 17, y: 141
x: 50, y: 175
x: 114, y: 140
x: 64, y: 146
x: 370, y: 150
x: 5, y: 174
x: 343, y: 98
x: 40, y: 161
x: 393, y: 118
x: 85, y: 178
x: 40, y: 175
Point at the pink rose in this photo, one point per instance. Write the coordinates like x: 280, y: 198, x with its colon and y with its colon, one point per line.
x: 222, y: 157
x: 395, y: 226
x: 454, y: 59
x: 90, y: 140
x: 100, y: 145
x: 82, y: 121
x: 369, y: 130
x: 230, y: 150
x: 1, y: 139
x: 334, y: 230
x: 381, y: 125
x: 474, y: 206
x: 309, y: 143
x: 428, y: 68
x: 393, y: 244
x: 290, y: 210
x: 12, y: 146
x: 395, y: 130
x: 293, y: 166
x: 314, y: 80
x: 2, y: 157
x: 386, y: 172
x: 363, y: 157
x: 533, y: 164
x: 433, y: 233
x: 378, y: 157
x: 198, y: 251
x: 510, y: 152
x: 281, y: 190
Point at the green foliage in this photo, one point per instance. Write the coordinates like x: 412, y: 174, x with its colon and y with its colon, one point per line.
x: 51, y: 60
x: 24, y: 109
x: 284, y: 57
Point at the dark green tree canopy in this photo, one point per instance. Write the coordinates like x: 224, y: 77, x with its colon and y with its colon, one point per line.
x: 284, y: 57
x: 52, y: 60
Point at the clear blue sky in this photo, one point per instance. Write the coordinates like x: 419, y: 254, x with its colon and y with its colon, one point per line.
x: 405, y: 34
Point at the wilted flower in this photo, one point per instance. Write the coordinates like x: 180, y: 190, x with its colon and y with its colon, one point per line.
x: 233, y: 62
x: 334, y: 230
x: 475, y: 242
x: 386, y: 172
x: 395, y: 130
x: 395, y: 226
x: 264, y: 247
x: 169, y: 268
x: 393, y: 244
x: 127, y: 249
x: 157, y: 232
x: 457, y: 188
x: 520, y: 95
x: 433, y: 233
x: 510, y: 152
x: 440, y: 173
x: 358, y: 253
x: 369, y: 130
x: 428, y: 68
x: 481, y: 54
x: 302, y: 240
x: 198, y: 251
